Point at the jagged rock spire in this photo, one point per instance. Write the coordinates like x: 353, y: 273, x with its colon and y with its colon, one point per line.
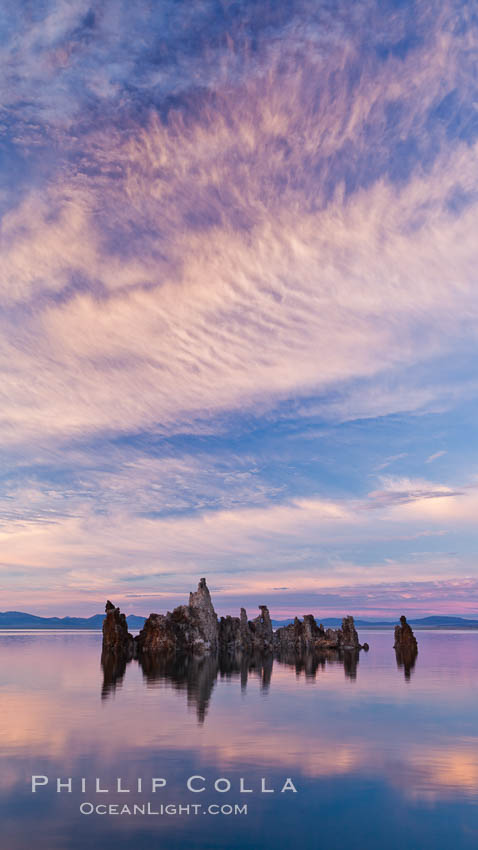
x: 194, y: 628
x: 405, y: 640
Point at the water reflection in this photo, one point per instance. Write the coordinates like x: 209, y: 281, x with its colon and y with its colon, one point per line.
x: 114, y: 668
x: 406, y: 659
x: 366, y: 748
x: 311, y: 663
x: 197, y: 675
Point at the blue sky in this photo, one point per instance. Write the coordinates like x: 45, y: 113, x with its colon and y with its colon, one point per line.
x: 238, y: 305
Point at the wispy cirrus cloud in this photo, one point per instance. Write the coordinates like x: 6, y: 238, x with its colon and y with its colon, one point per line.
x: 237, y: 254
x: 435, y: 456
x: 312, y: 545
x: 195, y: 344
x: 398, y: 491
x: 389, y: 460
x: 252, y: 214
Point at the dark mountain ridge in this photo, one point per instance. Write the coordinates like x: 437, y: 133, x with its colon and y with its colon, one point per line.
x: 432, y: 622
x: 23, y: 620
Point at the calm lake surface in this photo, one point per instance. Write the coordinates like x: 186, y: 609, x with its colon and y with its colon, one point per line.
x: 378, y: 759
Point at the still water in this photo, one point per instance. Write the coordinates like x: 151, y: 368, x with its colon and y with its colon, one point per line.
x: 380, y: 756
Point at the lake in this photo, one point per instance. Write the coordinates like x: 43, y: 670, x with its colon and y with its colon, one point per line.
x: 379, y: 756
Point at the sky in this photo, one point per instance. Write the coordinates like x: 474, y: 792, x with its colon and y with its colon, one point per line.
x: 238, y: 305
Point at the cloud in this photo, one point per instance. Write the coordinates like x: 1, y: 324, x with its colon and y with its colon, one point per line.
x: 300, y: 549
x: 227, y: 258
x: 435, y: 456
x: 115, y: 480
x: 389, y: 460
x: 273, y: 218
x: 196, y: 346
x: 397, y: 491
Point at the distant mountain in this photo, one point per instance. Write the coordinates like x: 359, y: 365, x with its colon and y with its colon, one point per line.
x: 21, y: 620
x: 446, y: 621
x: 434, y: 622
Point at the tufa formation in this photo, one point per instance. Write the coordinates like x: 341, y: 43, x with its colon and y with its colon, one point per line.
x: 195, y: 629
x: 405, y: 640
x: 116, y: 638
x: 406, y: 647
x: 306, y: 635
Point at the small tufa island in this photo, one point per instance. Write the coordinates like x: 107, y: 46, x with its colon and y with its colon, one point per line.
x: 405, y: 640
x: 196, y: 629
x: 405, y: 646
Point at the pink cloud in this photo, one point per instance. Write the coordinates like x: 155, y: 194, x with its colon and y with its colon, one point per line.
x: 272, y: 295
x: 245, y: 552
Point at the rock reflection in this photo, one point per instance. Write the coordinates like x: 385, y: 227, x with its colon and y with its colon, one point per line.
x: 310, y: 663
x: 406, y: 659
x: 114, y: 668
x: 196, y: 675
